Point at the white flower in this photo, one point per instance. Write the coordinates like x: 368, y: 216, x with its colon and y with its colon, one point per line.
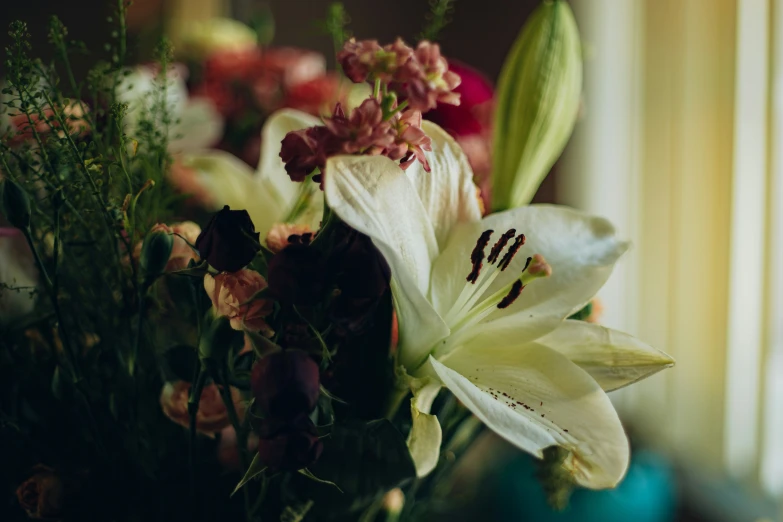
x: 196, y: 124
x: 268, y: 195
x: 17, y: 274
x: 532, y: 376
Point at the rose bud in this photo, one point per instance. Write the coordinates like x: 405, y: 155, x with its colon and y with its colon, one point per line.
x: 289, y: 446
x: 155, y: 253
x: 286, y: 384
x: 229, y: 241
x: 42, y: 496
x: 296, y: 275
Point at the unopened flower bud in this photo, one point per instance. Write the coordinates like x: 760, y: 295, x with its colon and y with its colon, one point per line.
x: 229, y: 242
x: 16, y: 205
x: 289, y: 446
x: 155, y: 253
x: 537, y: 103
x: 286, y: 384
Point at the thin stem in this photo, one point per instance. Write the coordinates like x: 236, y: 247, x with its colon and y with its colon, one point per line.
x: 401, y: 107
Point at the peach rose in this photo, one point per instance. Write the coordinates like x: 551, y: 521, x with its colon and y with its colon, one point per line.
x: 277, y: 237
x: 228, y: 449
x: 212, y: 414
x: 181, y: 252
x: 42, y: 495
x: 232, y: 297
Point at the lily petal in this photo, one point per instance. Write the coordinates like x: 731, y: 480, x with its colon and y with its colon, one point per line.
x: 534, y: 397
x: 270, y: 167
x: 200, y: 126
x: 581, y: 249
x: 614, y: 359
x: 374, y: 196
x: 447, y: 192
x: 230, y: 181
x: 426, y: 435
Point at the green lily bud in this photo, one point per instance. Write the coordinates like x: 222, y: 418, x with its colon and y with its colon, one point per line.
x: 155, y: 253
x: 537, y: 103
x: 15, y: 205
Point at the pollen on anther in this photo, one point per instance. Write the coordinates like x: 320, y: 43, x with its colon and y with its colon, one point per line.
x: 500, y: 245
x: 512, y: 251
x: 477, y: 256
x: 512, y: 295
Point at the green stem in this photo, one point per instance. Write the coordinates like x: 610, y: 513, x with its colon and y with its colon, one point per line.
x: 401, y: 107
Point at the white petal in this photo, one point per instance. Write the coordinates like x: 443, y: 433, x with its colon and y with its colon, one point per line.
x: 426, y: 435
x: 270, y: 167
x: 374, y: 196
x: 230, y: 181
x: 447, y: 192
x: 581, y: 249
x: 535, y: 397
x: 614, y: 359
x: 17, y: 270
x: 200, y: 126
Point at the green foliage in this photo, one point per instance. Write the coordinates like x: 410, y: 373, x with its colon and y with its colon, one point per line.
x: 335, y: 24
x: 437, y: 19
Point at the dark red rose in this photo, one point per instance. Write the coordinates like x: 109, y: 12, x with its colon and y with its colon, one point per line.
x: 289, y: 446
x: 469, y: 117
x: 296, y: 275
x: 286, y: 384
x: 229, y: 242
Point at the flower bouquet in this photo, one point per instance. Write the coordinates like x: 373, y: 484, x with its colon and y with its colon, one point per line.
x: 331, y: 341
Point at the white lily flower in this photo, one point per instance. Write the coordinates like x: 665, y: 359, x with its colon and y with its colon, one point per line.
x: 197, y: 123
x: 268, y: 194
x: 512, y: 358
x: 18, y: 276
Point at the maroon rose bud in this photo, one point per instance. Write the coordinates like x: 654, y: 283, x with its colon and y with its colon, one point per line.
x: 289, y: 446
x: 229, y: 242
x: 286, y: 384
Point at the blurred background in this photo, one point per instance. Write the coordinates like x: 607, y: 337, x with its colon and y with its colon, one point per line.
x: 679, y: 145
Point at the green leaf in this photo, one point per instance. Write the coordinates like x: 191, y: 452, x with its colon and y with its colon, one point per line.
x: 256, y: 468
x: 309, y: 474
x: 584, y: 313
x: 365, y: 459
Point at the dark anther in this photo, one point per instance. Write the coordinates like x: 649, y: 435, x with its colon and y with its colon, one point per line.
x: 512, y: 295
x: 513, y: 249
x: 477, y: 256
x: 500, y: 245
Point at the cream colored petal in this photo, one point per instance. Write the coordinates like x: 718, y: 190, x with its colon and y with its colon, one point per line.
x: 374, y: 196
x: 271, y: 168
x: 230, y: 181
x: 426, y: 435
x: 535, y: 397
x: 447, y: 191
x: 581, y: 249
x: 614, y: 359
x: 200, y: 126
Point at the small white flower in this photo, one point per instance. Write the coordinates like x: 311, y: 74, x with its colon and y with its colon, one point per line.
x: 490, y: 323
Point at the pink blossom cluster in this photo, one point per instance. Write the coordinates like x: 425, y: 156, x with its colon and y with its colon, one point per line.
x: 364, y: 132
x: 420, y: 75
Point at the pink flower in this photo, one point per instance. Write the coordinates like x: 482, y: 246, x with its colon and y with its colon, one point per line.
x: 181, y: 252
x: 228, y: 448
x: 428, y: 80
x: 185, y: 180
x: 72, y: 114
x: 305, y: 150
x: 212, y: 414
x: 364, y: 132
x: 358, y: 59
x: 410, y: 141
x: 280, y: 235
x: 233, y: 296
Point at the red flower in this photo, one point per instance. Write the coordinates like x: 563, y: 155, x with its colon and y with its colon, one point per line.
x: 313, y: 96
x: 472, y: 115
x: 289, y: 446
x: 286, y: 384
